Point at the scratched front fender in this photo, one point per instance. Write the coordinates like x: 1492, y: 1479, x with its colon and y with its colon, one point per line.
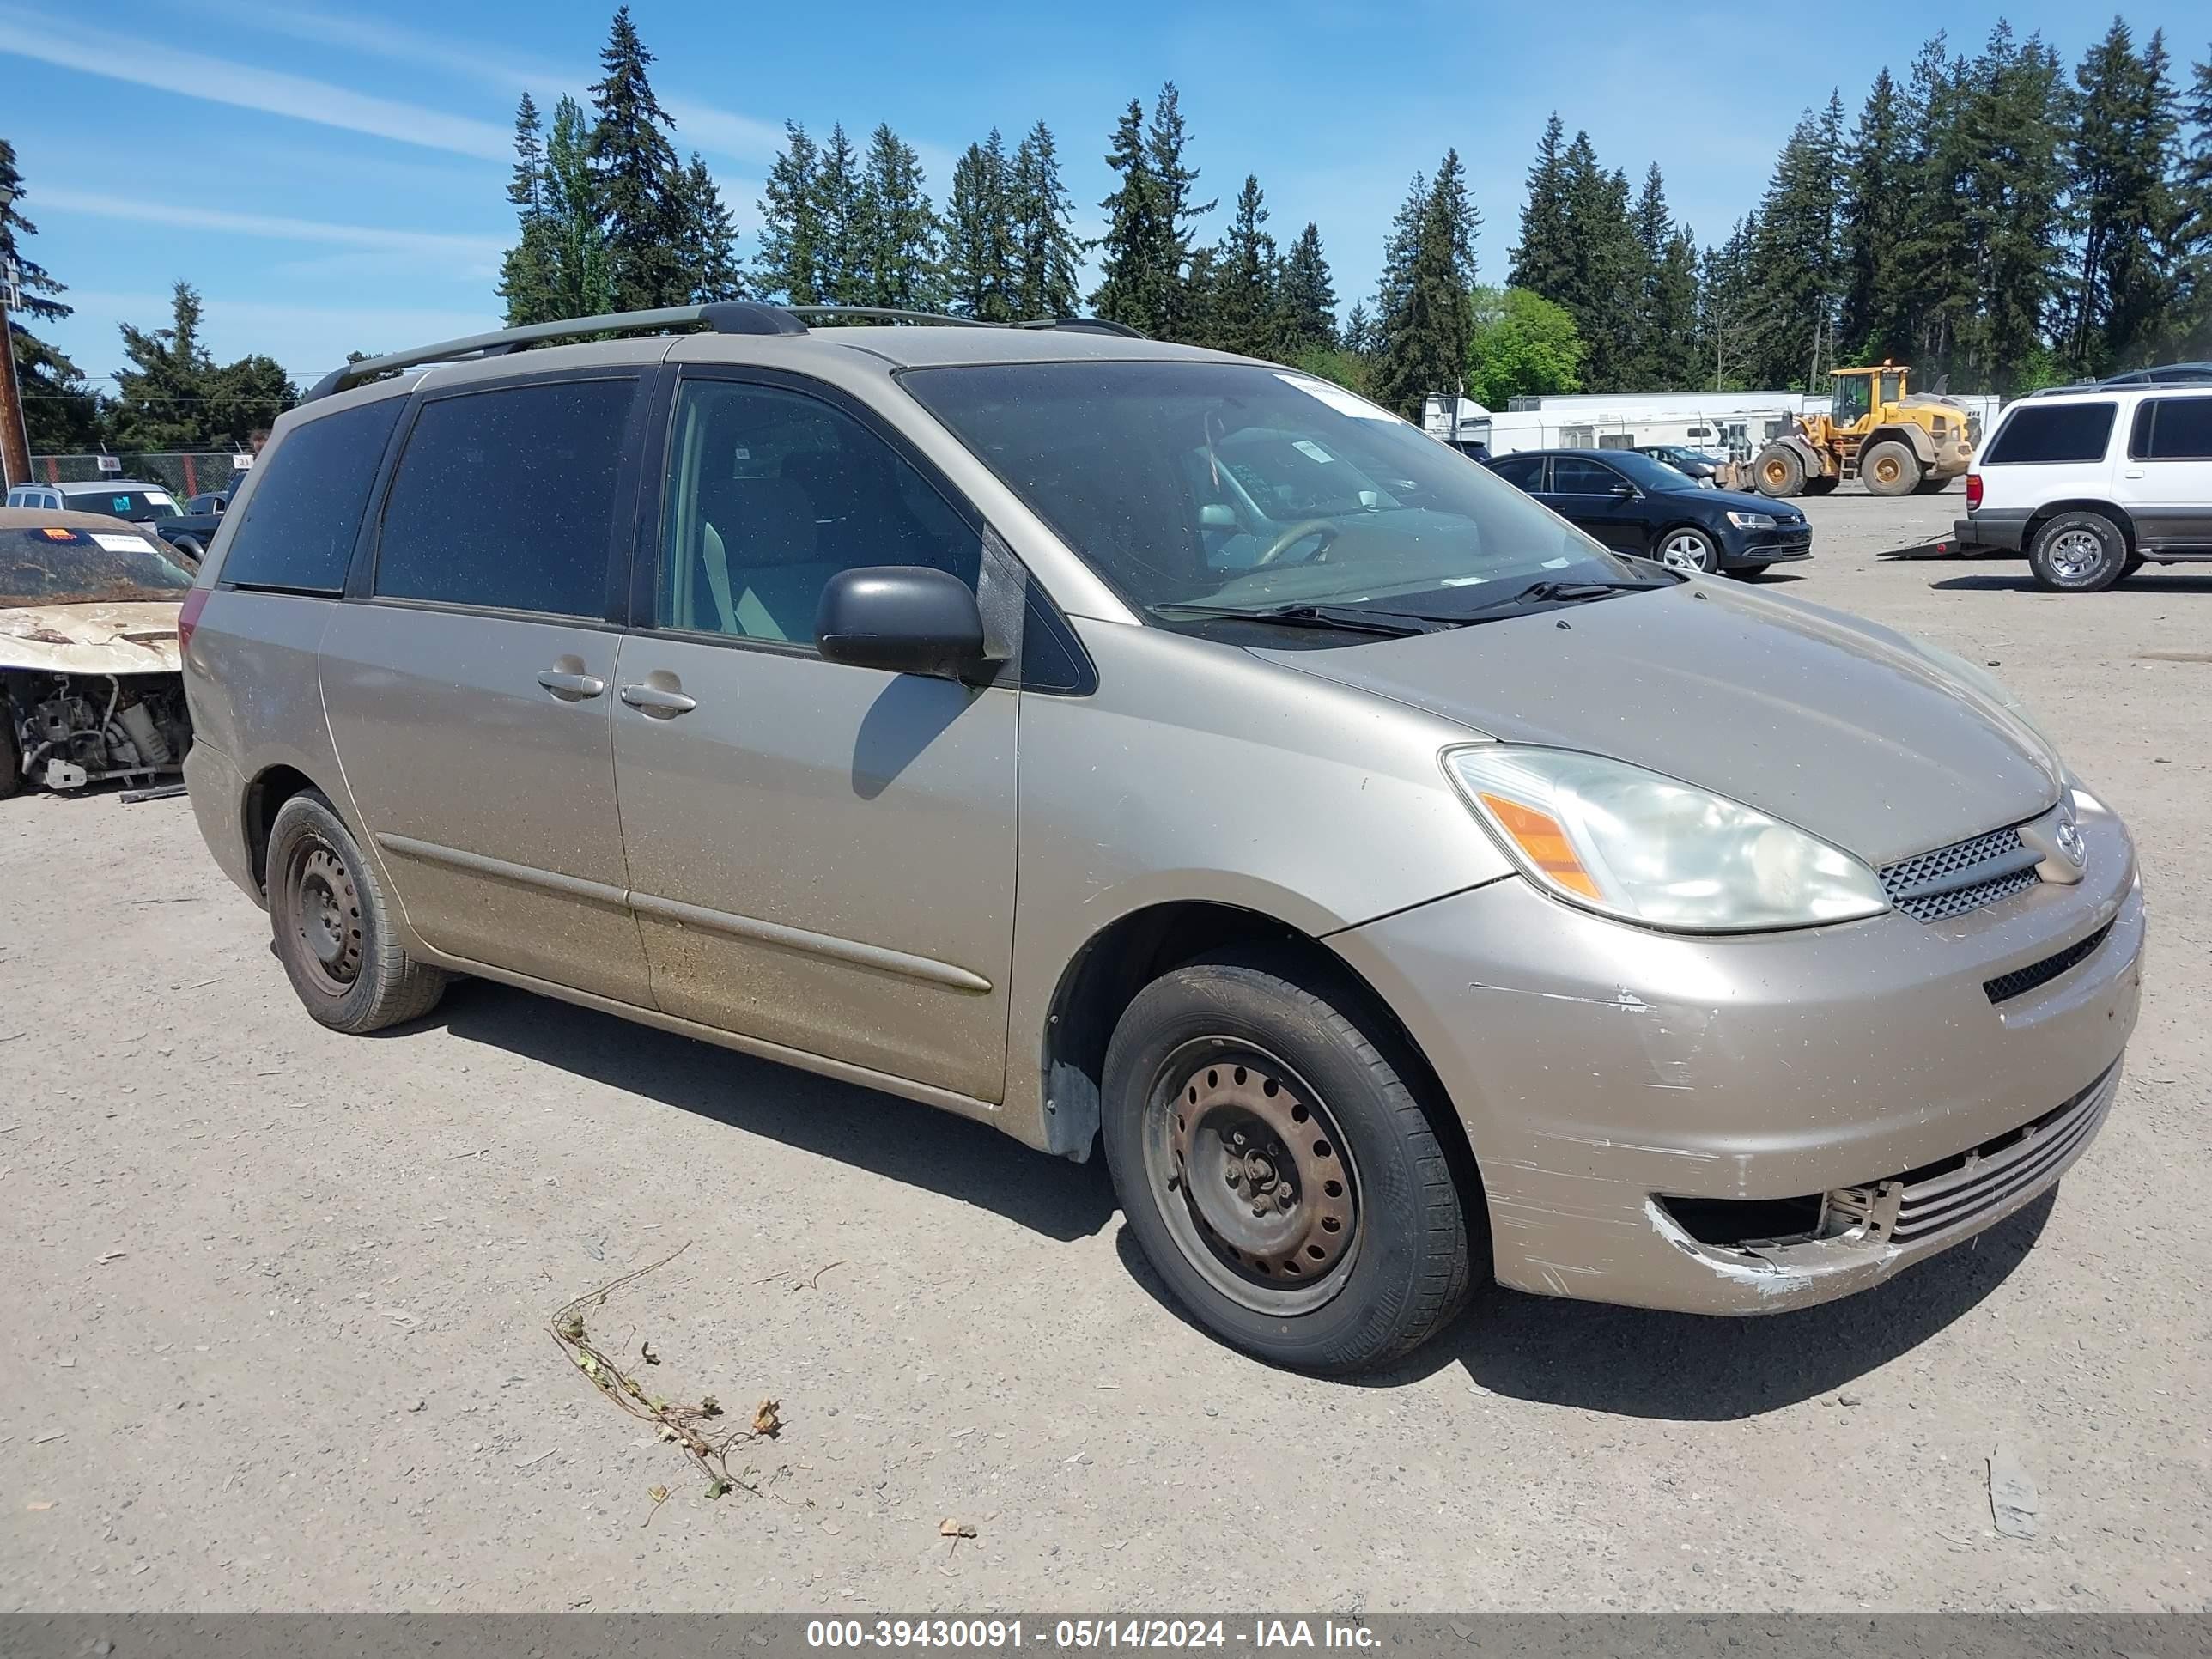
x: 1599, y: 1066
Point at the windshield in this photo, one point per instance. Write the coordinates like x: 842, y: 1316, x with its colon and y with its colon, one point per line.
x: 82, y: 567
x: 1647, y: 471
x: 1233, y: 485
x: 1851, y: 396
x: 131, y: 501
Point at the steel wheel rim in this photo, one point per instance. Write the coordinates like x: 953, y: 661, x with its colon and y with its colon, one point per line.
x: 325, y: 905
x: 1298, y: 1253
x: 1686, y: 552
x: 2075, y: 554
x: 1887, y: 471
x: 1777, y: 473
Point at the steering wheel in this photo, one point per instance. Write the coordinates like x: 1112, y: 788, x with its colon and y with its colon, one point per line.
x: 1328, y: 528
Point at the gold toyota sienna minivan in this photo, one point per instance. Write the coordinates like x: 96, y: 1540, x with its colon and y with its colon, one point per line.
x: 1130, y: 745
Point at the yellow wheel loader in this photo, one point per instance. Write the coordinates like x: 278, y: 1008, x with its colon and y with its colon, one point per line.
x: 1876, y: 431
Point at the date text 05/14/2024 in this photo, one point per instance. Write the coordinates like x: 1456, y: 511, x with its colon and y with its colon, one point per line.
x: 989, y: 1635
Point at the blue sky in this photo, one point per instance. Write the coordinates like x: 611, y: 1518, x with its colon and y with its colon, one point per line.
x: 331, y: 177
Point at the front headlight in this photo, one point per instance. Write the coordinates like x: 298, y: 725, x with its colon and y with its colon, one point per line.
x: 1626, y: 842
x: 1753, y: 520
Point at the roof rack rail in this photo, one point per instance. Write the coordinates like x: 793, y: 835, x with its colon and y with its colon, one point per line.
x: 722, y: 316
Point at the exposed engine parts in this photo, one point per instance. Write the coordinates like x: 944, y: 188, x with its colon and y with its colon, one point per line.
x: 74, y: 729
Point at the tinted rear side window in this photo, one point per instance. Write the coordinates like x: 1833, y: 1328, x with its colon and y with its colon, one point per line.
x: 2174, y: 430
x: 301, y: 520
x: 2052, y: 432
x: 506, y: 499
x: 1522, y: 473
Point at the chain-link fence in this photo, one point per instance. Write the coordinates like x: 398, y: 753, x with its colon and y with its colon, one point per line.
x: 182, y: 472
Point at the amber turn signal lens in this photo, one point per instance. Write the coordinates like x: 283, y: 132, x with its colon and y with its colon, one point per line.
x: 1542, y: 843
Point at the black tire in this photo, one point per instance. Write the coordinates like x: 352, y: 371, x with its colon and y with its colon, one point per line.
x: 189, y: 547
x: 11, y: 759
x: 323, y: 893
x: 1933, y: 486
x: 1687, y: 547
x: 1402, y: 1259
x: 2077, y: 553
x: 1890, y: 468
x: 1779, y: 471
x: 1821, y: 486
x: 2135, y: 561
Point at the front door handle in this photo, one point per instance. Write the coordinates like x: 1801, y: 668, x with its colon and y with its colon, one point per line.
x: 2133, y: 473
x: 657, y: 701
x: 574, y: 688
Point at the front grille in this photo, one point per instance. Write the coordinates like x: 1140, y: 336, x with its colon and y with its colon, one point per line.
x: 1954, y: 1192
x: 2019, y: 982
x: 1962, y: 877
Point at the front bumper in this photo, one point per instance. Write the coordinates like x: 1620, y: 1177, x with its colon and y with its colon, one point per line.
x: 2005, y: 530
x: 1602, y: 1070
x: 1758, y: 547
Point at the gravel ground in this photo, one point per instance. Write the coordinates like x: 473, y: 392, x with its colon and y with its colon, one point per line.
x: 278, y: 1299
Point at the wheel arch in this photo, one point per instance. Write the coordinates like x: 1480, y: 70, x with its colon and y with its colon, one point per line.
x: 2047, y: 511
x: 266, y: 795
x: 1129, y: 953
x: 1914, y: 438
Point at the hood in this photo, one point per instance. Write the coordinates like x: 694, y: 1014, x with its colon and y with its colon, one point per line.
x: 1836, y: 726
x: 139, y: 638
x: 1742, y: 500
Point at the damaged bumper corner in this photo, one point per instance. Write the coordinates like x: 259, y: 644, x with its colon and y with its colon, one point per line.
x: 1747, y: 1124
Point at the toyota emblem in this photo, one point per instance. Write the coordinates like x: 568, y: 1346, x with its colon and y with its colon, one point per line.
x: 2070, y: 842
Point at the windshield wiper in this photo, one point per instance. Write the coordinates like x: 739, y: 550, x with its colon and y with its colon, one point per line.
x: 1351, y: 619
x: 1553, y: 590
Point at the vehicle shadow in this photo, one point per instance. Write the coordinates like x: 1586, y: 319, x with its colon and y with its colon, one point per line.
x: 2152, y: 580
x: 862, y: 1127
x: 1633, y: 1362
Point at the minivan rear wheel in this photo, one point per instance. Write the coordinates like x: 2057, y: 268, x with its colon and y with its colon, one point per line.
x: 1277, y: 1168
x: 333, y: 928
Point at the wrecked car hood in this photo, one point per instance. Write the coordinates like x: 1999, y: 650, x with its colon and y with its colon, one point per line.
x: 137, y: 638
x: 1834, y: 725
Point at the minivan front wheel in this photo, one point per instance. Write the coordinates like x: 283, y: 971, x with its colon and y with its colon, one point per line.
x: 332, y: 926
x: 1278, y: 1169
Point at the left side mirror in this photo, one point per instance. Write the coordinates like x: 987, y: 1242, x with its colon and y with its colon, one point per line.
x: 902, y: 618
x: 1624, y: 492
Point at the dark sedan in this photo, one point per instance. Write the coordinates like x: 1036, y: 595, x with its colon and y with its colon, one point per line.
x: 1637, y: 505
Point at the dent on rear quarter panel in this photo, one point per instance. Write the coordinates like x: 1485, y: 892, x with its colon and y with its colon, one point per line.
x: 1198, y: 772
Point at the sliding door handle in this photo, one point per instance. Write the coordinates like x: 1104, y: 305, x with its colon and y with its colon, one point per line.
x: 573, y: 688
x: 658, y: 701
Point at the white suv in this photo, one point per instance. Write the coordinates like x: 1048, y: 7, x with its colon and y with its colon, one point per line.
x: 2095, y: 482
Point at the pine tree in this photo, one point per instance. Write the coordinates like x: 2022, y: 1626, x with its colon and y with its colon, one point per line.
x: 639, y: 185
x: 1935, y: 282
x: 526, y: 273
x: 1727, y: 323
x: 1393, y: 286
x: 899, y: 237
x: 2192, y: 235
x: 1307, y: 296
x: 1359, y: 336
x: 2124, y: 150
x: 1425, y: 340
x: 582, y: 268
x: 161, y: 399
x: 1601, y: 285
x: 1544, y: 262
x: 1166, y: 141
x: 1135, y: 277
x: 61, y: 413
x: 1245, y: 316
x: 787, y: 262
x: 1872, y: 317
x: 1663, y: 354
x: 710, y: 238
x: 840, y: 278
x: 2013, y: 123
x: 978, y: 251
x: 1793, y: 265
x: 1046, y: 251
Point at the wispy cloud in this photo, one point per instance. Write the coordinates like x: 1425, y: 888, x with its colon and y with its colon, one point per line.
x: 216, y: 80
x: 698, y: 125
x: 469, y: 255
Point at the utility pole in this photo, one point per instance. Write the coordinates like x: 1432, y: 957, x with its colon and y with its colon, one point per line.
x: 15, y: 445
